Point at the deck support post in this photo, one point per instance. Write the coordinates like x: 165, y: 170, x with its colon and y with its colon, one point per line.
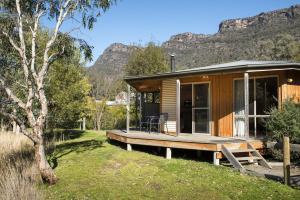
x: 129, y: 147
x: 216, y: 159
x: 168, y: 153
x: 199, y: 154
x: 159, y: 149
x: 128, y: 109
x: 140, y: 107
x: 246, y: 93
x: 177, y: 107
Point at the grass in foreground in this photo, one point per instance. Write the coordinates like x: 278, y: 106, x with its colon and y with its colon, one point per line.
x: 91, y: 168
x: 18, y: 172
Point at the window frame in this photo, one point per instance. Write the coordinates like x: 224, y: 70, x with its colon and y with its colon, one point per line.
x: 254, y: 115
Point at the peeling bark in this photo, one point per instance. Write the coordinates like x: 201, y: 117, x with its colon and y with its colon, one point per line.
x: 47, y: 173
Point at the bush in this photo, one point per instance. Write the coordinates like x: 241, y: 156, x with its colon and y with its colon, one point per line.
x: 114, y: 117
x: 285, y: 122
x: 277, y: 154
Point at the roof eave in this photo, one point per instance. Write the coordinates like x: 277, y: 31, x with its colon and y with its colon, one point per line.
x: 209, y: 71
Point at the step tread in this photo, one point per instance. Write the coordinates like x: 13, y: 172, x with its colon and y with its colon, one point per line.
x: 241, y: 150
x: 248, y: 158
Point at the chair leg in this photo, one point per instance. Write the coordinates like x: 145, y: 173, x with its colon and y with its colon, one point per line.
x: 167, y: 127
x: 159, y: 128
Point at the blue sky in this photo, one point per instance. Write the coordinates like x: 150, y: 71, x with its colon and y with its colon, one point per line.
x: 141, y: 21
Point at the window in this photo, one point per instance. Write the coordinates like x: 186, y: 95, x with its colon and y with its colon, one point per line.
x: 153, y: 97
x: 263, y: 95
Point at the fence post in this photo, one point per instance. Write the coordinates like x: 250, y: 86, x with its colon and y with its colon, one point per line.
x: 286, y: 160
x: 83, y: 123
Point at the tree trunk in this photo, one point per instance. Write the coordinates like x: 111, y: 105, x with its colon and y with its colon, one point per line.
x: 84, y: 123
x: 98, y: 123
x: 14, y: 124
x: 47, y: 173
x: 2, y: 125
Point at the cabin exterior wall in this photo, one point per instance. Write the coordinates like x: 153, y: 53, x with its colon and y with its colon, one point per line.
x: 168, y: 104
x: 292, y: 89
x: 221, y: 86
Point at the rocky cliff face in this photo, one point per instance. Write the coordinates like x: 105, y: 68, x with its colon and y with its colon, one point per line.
x: 237, y: 39
x: 113, y: 59
x: 287, y: 15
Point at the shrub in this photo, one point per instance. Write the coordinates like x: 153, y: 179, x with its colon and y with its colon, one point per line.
x: 285, y: 122
x: 114, y: 118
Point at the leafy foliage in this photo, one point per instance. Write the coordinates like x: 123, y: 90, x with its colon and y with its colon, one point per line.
x: 67, y: 91
x: 114, y: 117
x: 282, y: 47
x: 147, y: 61
x: 285, y: 121
x: 35, y: 56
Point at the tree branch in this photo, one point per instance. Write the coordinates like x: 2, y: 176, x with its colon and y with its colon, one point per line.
x: 20, y: 123
x: 11, y: 95
x: 64, y: 11
x: 12, y: 42
x: 34, y: 31
x: 22, y: 41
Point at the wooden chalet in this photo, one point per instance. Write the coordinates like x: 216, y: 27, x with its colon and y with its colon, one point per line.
x: 218, y: 108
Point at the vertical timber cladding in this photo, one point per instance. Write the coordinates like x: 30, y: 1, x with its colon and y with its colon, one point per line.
x: 222, y: 97
x: 225, y: 99
x: 292, y: 86
x: 168, y: 104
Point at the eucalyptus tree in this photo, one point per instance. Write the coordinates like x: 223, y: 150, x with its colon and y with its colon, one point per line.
x: 25, y: 60
x: 147, y: 61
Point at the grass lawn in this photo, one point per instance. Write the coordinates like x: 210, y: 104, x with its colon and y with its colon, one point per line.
x: 90, y: 168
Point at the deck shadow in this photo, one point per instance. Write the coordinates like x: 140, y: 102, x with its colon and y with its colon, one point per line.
x: 186, y: 154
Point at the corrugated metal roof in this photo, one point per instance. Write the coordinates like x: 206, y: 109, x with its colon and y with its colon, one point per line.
x: 237, y: 65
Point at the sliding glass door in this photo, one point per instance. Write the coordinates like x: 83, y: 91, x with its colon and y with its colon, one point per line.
x: 263, y: 95
x: 201, y: 108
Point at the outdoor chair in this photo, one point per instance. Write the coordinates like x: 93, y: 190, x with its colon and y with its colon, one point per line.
x: 158, y: 122
x: 145, y: 122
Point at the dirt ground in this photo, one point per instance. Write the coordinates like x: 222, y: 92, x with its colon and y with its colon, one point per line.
x: 276, y: 173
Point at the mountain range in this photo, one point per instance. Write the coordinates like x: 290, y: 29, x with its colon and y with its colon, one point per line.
x: 236, y: 39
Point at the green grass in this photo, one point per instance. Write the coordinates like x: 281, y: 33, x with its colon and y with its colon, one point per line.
x: 90, y: 168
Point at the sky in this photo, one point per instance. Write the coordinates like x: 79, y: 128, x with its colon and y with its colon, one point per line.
x: 142, y: 21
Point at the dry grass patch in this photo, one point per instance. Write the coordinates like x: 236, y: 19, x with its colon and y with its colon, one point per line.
x: 18, y: 173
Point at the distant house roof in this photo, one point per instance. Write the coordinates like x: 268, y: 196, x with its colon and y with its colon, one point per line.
x: 242, y: 64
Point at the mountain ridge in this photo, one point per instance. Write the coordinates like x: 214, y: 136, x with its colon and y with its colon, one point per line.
x: 236, y: 39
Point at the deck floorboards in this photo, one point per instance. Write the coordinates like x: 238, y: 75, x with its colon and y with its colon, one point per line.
x: 183, y: 141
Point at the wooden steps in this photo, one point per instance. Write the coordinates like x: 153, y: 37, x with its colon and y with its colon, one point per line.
x: 249, y: 158
x: 241, y: 150
x: 238, y: 156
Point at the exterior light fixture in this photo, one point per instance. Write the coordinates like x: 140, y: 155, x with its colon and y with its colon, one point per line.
x: 289, y: 80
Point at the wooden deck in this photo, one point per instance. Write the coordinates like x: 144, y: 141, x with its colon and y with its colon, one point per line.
x: 183, y: 141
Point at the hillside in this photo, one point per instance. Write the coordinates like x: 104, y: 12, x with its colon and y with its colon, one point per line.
x: 113, y: 59
x: 237, y: 39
